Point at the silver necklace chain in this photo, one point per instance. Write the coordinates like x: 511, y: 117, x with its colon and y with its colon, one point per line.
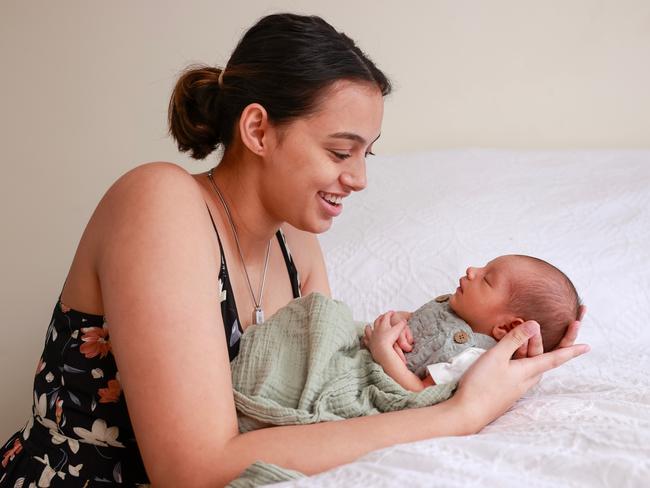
x: 258, y: 312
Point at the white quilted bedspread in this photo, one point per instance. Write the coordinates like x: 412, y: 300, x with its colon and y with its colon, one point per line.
x: 411, y: 234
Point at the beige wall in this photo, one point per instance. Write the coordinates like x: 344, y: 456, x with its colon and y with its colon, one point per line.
x: 84, y: 88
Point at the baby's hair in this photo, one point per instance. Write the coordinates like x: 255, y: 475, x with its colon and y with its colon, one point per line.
x: 547, y: 296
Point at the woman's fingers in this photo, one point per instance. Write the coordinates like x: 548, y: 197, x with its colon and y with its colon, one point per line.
x: 570, y: 335
x: 519, y: 337
x: 555, y: 358
x: 535, y: 346
x: 522, y: 351
x: 531, y: 347
x: 572, y: 331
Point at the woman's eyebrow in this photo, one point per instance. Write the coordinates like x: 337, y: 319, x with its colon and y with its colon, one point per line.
x: 351, y: 136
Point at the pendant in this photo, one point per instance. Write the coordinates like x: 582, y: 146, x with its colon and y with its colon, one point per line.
x: 258, y: 315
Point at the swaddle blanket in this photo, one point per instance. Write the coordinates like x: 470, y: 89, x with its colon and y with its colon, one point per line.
x: 305, y: 365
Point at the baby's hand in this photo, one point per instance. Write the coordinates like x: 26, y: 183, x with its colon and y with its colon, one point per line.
x: 404, y: 342
x: 381, y: 337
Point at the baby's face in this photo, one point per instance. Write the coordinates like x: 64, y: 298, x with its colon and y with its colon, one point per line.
x: 481, y: 299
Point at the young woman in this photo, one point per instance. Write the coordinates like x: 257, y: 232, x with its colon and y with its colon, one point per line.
x: 172, y: 267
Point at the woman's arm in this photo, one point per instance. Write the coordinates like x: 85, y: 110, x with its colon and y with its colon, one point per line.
x: 161, y: 306
x: 488, y: 390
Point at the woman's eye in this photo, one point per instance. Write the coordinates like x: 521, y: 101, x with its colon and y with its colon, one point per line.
x: 370, y: 153
x: 341, y: 156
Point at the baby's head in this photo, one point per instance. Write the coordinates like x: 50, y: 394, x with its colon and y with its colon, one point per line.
x: 510, y: 290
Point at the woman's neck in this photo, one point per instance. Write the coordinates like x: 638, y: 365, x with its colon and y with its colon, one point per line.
x: 238, y: 183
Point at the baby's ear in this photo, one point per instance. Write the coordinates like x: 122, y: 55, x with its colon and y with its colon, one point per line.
x: 499, y: 331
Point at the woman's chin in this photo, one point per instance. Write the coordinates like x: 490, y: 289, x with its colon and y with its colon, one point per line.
x: 316, y: 226
x: 322, y: 226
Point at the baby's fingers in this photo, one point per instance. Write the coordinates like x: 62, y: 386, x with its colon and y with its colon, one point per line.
x: 383, y: 321
x: 395, y: 332
x: 399, y: 352
x: 403, y: 340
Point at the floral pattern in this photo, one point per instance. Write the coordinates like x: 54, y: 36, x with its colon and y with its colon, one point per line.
x: 95, y: 342
x: 79, y: 434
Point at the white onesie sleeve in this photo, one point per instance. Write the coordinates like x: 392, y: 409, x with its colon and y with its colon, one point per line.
x: 451, y: 372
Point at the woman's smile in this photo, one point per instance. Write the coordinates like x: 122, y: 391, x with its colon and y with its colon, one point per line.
x: 333, y: 204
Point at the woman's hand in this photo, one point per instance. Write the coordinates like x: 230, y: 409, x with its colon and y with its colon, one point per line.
x: 534, y: 346
x: 495, y: 382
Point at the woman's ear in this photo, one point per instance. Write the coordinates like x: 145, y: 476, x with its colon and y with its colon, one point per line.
x: 499, y: 331
x: 253, y: 128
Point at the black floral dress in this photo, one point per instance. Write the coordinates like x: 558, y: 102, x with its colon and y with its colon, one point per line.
x: 79, y: 434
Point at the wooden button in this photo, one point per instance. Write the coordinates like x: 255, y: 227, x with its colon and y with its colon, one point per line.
x: 461, y: 337
x: 442, y: 298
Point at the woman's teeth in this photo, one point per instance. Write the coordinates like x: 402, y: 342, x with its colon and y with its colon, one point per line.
x: 331, y: 198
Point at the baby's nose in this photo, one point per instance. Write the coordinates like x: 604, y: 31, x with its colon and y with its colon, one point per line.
x: 470, y: 272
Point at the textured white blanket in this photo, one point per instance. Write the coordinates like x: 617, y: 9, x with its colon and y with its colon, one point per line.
x: 424, y: 218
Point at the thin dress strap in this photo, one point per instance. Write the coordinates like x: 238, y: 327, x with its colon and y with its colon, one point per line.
x: 229, y: 314
x: 294, y: 277
x: 231, y: 322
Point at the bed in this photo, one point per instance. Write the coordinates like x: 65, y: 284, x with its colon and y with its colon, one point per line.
x: 409, y: 237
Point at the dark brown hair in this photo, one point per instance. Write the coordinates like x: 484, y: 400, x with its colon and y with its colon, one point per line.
x: 284, y: 62
x: 547, y: 296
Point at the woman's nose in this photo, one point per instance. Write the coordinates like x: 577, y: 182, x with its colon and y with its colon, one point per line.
x: 354, y: 177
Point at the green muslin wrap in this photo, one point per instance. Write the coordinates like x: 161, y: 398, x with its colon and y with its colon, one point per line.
x: 305, y: 365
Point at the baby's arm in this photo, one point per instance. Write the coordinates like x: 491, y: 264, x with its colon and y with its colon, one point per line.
x: 380, y: 340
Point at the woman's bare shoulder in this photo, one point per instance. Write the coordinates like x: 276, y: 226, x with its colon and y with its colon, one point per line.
x: 151, y: 207
x: 152, y: 192
x: 154, y: 201
x: 155, y: 179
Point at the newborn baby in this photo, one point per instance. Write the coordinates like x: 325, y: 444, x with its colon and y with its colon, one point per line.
x: 452, y: 331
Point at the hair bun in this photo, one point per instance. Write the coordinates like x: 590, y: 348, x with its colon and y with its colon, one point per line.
x: 194, y: 112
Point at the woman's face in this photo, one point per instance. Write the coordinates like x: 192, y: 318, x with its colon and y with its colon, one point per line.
x: 318, y: 160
